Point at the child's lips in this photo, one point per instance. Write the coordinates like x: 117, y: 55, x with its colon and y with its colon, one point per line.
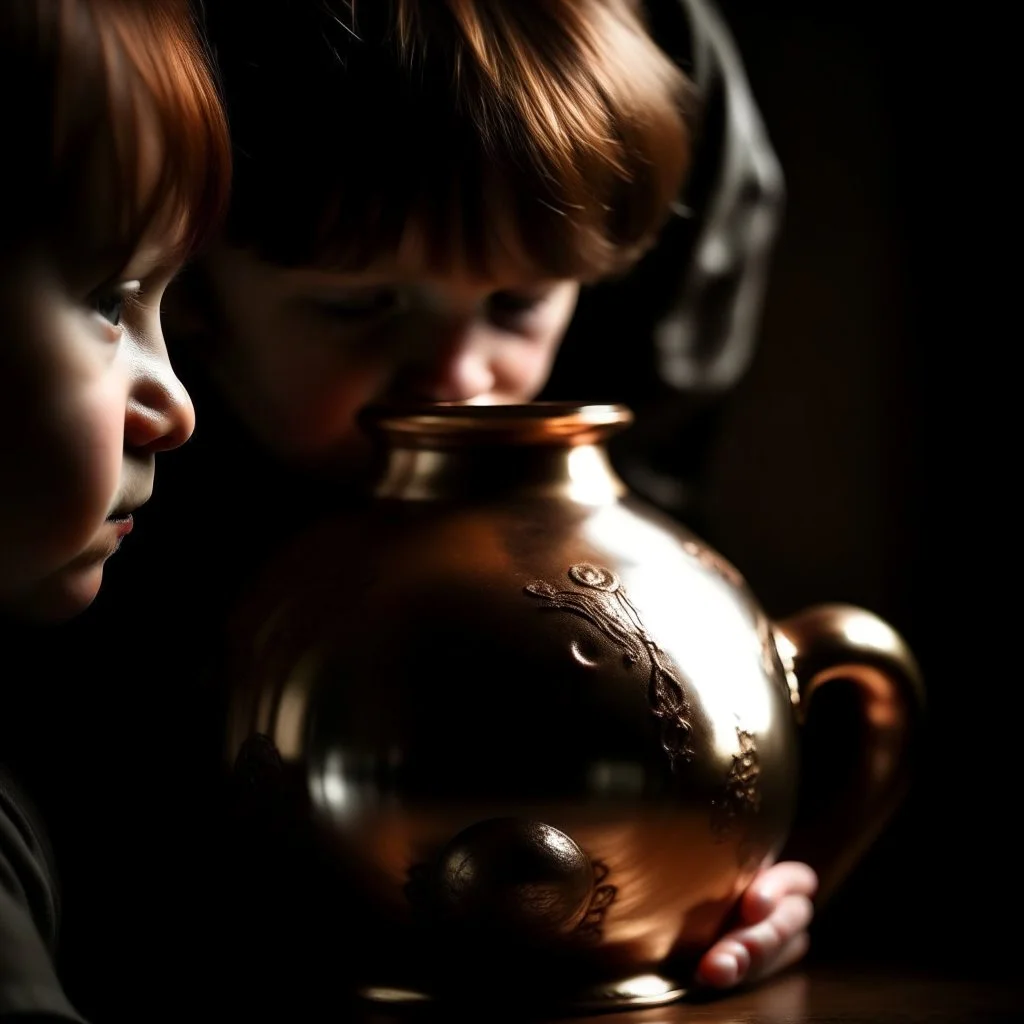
x: 122, y: 523
x: 106, y: 542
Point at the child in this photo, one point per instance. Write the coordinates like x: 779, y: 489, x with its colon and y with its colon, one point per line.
x: 467, y: 167
x: 120, y: 162
x: 420, y: 196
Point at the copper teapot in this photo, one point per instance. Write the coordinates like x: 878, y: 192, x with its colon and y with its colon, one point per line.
x: 543, y: 735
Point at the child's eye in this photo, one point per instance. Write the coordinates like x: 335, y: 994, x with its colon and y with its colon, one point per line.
x: 109, y: 305
x: 510, y: 306
x: 361, y: 304
x: 514, y: 302
x: 109, y: 301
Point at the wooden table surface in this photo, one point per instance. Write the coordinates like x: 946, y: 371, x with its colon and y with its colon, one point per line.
x: 818, y: 995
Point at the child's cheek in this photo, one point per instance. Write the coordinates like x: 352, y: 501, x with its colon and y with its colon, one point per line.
x: 521, y: 378
x: 534, y: 367
x: 100, y: 457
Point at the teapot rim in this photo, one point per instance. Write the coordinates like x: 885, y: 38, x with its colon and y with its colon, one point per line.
x: 538, y: 421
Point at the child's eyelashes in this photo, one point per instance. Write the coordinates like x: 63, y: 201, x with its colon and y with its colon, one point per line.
x: 368, y: 308
x: 505, y: 303
x: 109, y: 301
x: 511, y: 309
x: 109, y: 305
x: 361, y: 305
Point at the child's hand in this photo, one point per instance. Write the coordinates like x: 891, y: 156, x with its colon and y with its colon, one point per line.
x: 774, y: 914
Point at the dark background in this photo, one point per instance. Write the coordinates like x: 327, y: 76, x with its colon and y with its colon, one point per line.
x: 867, y: 455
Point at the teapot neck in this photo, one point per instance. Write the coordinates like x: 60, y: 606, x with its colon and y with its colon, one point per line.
x: 450, y: 451
x: 578, y: 473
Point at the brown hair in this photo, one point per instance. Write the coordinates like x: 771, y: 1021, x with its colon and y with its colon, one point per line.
x: 80, y: 79
x: 551, y: 134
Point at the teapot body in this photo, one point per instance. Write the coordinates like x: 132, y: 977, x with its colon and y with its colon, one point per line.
x: 542, y: 734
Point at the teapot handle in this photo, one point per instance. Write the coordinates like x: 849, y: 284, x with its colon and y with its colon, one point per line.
x: 860, y: 706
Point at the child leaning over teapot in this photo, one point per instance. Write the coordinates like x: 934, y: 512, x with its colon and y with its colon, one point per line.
x: 465, y: 168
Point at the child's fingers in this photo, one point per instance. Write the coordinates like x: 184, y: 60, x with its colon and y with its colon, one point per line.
x: 764, y: 940
x: 754, y: 952
x: 725, y: 964
x: 787, y: 878
x: 790, y: 953
x: 775, y: 911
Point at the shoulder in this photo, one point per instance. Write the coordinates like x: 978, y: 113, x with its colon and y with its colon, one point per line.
x: 26, y: 864
x: 28, y: 912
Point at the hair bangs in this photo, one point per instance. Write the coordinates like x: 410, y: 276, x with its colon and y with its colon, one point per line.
x: 125, y: 135
x: 548, y: 135
x: 162, y: 90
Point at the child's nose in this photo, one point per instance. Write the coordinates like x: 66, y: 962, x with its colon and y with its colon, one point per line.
x: 160, y: 415
x: 459, y: 371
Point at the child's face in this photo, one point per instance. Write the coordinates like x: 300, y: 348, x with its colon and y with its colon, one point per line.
x: 302, y: 351
x: 89, y: 398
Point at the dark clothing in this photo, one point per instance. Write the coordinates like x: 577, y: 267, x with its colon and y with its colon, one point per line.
x: 28, y: 915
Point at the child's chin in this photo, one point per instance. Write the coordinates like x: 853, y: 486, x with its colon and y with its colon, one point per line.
x: 64, y: 596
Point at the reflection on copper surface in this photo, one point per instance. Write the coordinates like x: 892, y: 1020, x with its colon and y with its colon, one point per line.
x: 835, y: 651
x: 486, y: 661
x: 590, y: 479
x: 646, y: 989
x: 620, y: 778
x: 602, y: 601
x: 781, y: 1000
x: 289, y: 723
x: 697, y: 612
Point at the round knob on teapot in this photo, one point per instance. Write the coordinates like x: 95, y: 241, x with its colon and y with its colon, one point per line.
x: 510, y: 875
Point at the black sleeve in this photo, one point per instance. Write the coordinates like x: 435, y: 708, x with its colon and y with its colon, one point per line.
x: 29, y: 988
